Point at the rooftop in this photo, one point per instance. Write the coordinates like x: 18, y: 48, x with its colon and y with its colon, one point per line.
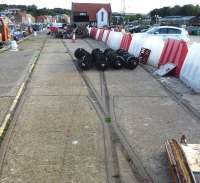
x: 91, y: 8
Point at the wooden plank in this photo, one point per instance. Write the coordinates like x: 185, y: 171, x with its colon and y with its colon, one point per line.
x: 192, y: 154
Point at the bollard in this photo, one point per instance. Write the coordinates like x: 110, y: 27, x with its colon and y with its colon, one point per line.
x: 35, y: 33
x: 74, y: 38
x: 115, y: 61
x: 129, y: 61
x: 14, y: 46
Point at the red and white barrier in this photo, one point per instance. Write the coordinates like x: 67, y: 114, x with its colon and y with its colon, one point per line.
x: 156, y: 45
x: 93, y: 33
x: 97, y: 34
x: 175, y: 51
x: 136, y: 44
x: 114, y: 40
x: 190, y: 72
x: 126, y: 41
x: 106, y: 35
x: 100, y: 35
x: 89, y: 30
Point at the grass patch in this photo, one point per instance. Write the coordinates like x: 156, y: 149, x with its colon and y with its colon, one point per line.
x: 108, y: 120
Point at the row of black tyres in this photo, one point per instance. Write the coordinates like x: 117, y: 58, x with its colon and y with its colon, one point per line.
x: 105, y: 59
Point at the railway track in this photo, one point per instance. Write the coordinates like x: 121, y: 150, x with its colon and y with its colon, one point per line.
x: 113, y: 135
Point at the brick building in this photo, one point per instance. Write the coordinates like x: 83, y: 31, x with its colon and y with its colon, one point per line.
x: 95, y: 14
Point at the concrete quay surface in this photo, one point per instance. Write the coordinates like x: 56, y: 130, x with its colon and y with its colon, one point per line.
x: 13, y: 67
x: 58, y: 135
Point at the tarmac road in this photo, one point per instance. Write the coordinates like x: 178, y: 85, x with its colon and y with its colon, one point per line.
x: 58, y: 135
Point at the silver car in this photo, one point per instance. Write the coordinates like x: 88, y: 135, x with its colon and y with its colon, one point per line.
x: 169, y: 32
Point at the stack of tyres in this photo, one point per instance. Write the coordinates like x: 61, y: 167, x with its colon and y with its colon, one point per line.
x: 84, y: 58
x: 130, y: 62
x: 115, y: 61
x: 101, y: 62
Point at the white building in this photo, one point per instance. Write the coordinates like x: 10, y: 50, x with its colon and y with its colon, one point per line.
x: 95, y: 14
x: 102, y: 18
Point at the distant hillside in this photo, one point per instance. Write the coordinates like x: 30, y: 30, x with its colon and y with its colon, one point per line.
x: 186, y: 10
x: 35, y: 11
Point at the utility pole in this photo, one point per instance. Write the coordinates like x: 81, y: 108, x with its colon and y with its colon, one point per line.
x: 123, y: 9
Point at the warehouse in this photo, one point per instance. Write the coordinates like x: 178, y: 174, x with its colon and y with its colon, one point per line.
x: 195, y: 21
x: 92, y: 14
x: 176, y: 20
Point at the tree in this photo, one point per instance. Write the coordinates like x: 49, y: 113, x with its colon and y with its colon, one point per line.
x: 33, y: 10
x: 131, y: 18
x: 186, y: 10
x: 3, y: 7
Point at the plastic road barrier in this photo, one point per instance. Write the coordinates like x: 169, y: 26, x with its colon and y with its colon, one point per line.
x: 97, y: 34
x: 114, y: 40
x: 156, y: 45
x: 175, y: 51
x: 101, y: 35
x: 190, y: 72
x: 126, y: 41
x: 136, y: 44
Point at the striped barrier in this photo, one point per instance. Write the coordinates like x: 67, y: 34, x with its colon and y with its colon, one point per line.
x: 105, y: 35
x: 89, y: 30
x: 126, y: 41
x: 175, y: 52
x: 97, y: 34
x: 107, y: 38
x: 100, y: 37
x: 190, y: 72
x: 114, y: 40
x: 156, y: 45
x: 93, y: 33
x: 136, y: 44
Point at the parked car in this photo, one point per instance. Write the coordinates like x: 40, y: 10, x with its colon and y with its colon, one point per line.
x: 169, y: 32
x: 135, y: 28
x: 18, y: 35
x: 15, y: 32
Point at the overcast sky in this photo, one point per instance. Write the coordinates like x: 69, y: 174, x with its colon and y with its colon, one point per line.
x: 132, y: 6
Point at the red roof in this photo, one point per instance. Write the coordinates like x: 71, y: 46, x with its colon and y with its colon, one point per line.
x: 90, y: 8
x: 21, y: 13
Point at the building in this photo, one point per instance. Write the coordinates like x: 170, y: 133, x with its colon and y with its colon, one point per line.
x: 195, y: 21
x: 41, y: 19
x: 63, y: 18
x: 94, y: 14
x: 20, y: 17
x: 50, y: 19
x: 12, y: 10
x: 30, y: 19
x: 176, y: 20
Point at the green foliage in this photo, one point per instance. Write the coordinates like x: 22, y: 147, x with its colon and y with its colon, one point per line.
x: 108, y: 120
x: 3, y: 6
x: 186, y: 10
x: 130, y: 18
x: 32, y: 9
